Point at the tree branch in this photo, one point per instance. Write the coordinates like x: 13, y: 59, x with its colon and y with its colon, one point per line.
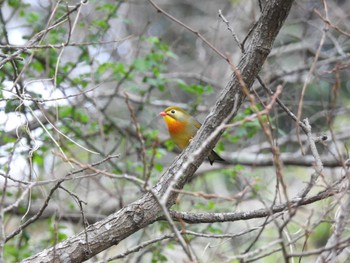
x: 195, y: 218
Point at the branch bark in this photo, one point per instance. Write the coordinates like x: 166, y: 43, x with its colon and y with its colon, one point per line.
x: 199, y: 218
x: 262, y: 159
x: 145, y: 211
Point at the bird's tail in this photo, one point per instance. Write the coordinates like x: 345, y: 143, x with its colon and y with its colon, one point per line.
x: 213, y: 156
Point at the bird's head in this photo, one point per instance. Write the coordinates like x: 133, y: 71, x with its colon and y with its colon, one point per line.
x: 174, y: 113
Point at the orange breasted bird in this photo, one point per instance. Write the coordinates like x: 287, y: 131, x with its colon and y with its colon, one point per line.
x: 183, y: 127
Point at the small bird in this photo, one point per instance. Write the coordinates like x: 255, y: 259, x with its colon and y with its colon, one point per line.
x: 183, y: 127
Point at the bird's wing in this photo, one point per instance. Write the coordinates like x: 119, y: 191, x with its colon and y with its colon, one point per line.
x: 197, y: 124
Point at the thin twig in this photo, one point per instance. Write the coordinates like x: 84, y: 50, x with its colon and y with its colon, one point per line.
x: 199, y: 35
x: 176, y: 232
x: 309, y: 75
x: 85, y: 222
x: 330, y: 24
x: 37, y: 215
x: 282, y: 105
x: 232, y: 32
x: 139, y: 247
x: 139, y: 136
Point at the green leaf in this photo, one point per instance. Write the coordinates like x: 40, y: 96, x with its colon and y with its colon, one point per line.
x: 119, y: 68
x: 84, y: 118
x: 14, y: 3
x: 170, y: 145
x: 32, y: 17
x: 11, y: 106
x: 107, y: 6
x: 195, y: 88
x: 211, y: 205
x: 37, y: 66
x: 214, y: 230
x: 65, y: 112
x: 159, y: 167
x: 153, y: 40
x: 100, y: 23
x: 61, y: 236
x: 38, y: 159
x: 321, y: 234
x: 140, y: 64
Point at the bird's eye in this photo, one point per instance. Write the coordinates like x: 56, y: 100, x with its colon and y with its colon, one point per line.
x: 173, y: 111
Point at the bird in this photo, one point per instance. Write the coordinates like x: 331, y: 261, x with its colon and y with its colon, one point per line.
x: 183, y: 127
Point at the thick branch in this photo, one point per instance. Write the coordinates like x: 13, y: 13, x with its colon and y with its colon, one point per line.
x: 196, y: 218
x: 263, y: 159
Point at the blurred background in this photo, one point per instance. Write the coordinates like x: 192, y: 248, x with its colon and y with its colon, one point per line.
x: 82, y: 85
